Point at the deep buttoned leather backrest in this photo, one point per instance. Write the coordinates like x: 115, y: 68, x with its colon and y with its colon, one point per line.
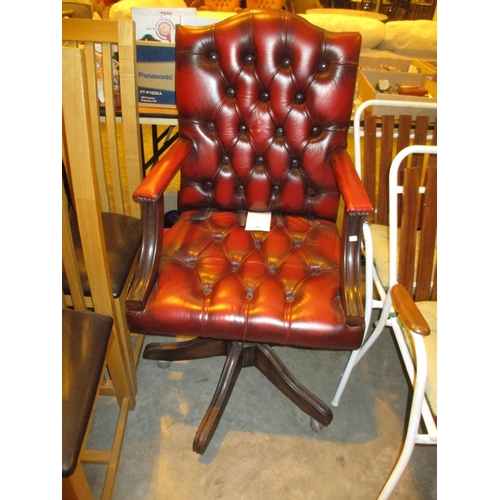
x: 265, y: 97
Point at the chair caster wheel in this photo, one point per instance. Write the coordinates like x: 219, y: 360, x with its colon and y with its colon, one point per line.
x: 315, y: 425
x: 161, y: 363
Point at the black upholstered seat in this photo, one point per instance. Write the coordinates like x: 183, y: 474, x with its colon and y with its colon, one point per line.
x: 85, y: 337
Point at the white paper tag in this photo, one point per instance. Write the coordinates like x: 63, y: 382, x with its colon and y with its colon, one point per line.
x: 258, y: 221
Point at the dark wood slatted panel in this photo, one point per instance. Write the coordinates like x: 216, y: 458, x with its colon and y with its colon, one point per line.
x: 423, y: 290
x: 409, y: 225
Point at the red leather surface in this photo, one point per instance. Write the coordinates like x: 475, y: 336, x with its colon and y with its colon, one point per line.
x: 265, y: 99
x: 219, y: 281
x: 265, y: 112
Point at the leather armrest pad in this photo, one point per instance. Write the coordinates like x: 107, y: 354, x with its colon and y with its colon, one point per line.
x: 352, y: 189
x: 164, y: 171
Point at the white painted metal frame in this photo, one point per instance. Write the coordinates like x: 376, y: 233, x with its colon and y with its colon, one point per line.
x: 371, y: 276
x: 415, y: 361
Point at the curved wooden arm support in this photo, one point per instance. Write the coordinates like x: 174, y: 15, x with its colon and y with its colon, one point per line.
x: 150, y: 195
x: 407, y: 311
x: 150, y: 254
x: 357, y: 207
x: 350, y: 269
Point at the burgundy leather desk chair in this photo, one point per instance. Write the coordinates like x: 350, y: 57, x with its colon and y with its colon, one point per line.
x: 264, y: 101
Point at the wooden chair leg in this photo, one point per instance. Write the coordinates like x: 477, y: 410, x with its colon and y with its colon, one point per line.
x: 76, y: 487
x: 268, y: 363
x: 229, y: 375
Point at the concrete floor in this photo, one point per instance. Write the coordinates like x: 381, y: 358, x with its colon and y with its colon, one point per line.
x: 264, y: 447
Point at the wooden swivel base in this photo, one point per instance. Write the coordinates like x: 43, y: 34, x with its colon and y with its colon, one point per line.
x: 239, y: 355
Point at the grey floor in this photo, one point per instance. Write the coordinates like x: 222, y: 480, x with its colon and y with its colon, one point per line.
x: 264, y: 447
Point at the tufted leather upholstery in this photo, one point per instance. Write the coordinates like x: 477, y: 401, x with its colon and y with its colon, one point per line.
x: 265, y: 114
x: 264, y: 101
x: 228, y: 279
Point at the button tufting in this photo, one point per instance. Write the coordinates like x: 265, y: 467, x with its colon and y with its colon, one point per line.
x: 225, y: 159
x: 295, y: 162
x: 272, y: 268
x: 211, y: 126
x: 279, y: 131
x: 235, y: 266
x: 276, y: 189
x: 240, y: 188
x: 207, y: 185
x: 249, y: 58
x: 249, y: 293
x: 207, y: 289
x: 297, y: 243
x: 323, y: 66
x: 259, y: 160
x: 264, y: 96
x: 243, y: 129
x: 231, y: 92
x: 258, y: 243
x: 213, y: 56
x: 316, y: 131
x: 299, y: 97
x: 290, y: 295
x: 311, y: 191
x: 287, y: 62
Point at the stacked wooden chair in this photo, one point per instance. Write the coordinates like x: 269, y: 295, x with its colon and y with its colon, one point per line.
x: 109, y: 53
x: 94, y: 348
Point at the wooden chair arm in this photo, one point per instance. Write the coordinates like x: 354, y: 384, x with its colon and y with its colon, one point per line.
x: 407, y: 311
x: 150, y: 195
x: 357, y: 207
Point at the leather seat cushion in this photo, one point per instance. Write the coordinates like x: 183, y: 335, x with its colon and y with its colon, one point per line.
x: 122, y: 234
x: 218, y: 280
x: 85, y: 337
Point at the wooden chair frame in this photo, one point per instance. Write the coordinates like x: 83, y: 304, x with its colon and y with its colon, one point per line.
x: 118, y: 169
x: 77, y: 125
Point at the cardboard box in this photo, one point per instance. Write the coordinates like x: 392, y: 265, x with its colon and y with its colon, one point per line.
x: 156, y: 74
x: 155, y: 34
x: 370, y: 63
x: 158, y: 25
x: 367, y: 81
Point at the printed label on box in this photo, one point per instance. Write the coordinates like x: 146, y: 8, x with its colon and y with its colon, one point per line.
x: 156, y: 73
x: 158, y: 25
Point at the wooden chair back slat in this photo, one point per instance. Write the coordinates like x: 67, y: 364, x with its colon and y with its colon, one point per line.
x: 369, y: 166
x: 90, y: 64
x: 428, y: 233
x: 404, y: 137
x: 70, y: 263
x: 119, y: 162
x: 386, y: 155
x: 409, y: 226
